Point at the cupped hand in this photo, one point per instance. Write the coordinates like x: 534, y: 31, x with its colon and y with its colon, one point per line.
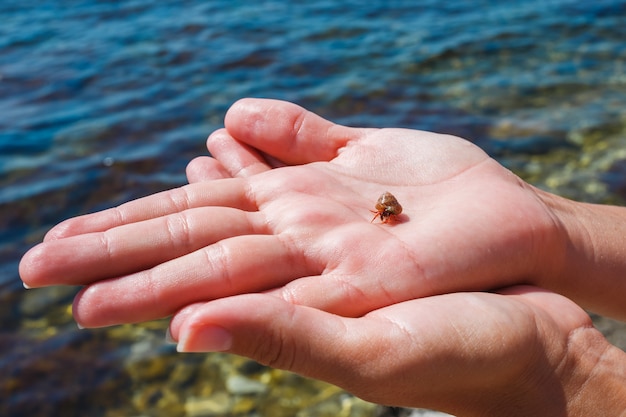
x: 522, y: 352
x: 303, y: 232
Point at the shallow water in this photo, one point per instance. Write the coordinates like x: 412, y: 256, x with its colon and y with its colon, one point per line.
x: 102, y: 102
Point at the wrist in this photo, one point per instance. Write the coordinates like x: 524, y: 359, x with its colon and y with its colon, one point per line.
x: 594, y: 375
x: 587, y: 259
x: 589, y: 379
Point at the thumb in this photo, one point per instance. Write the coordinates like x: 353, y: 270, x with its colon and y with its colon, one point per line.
x: 269, y: 330
x: 287, y: 131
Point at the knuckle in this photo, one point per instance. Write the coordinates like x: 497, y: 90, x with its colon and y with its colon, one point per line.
x: 179, y: 232
x: 278, y: 348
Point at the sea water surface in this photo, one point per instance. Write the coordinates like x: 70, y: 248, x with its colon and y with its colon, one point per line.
x: 105, y: 101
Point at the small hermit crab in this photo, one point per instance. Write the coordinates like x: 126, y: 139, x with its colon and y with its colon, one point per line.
x: 387, y: 207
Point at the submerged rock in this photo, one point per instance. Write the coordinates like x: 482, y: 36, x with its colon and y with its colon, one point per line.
x: 240, y: 385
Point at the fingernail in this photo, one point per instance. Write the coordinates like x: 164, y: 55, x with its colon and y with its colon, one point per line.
x: 79, y: 326
x: 168, y: 337
x: 204, y: 339
x: 25, y: 285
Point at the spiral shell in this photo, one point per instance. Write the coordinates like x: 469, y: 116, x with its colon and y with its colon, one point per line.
x: 387, y: 207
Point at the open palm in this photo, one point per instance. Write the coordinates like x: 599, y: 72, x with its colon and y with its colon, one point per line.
x: 303, y: 231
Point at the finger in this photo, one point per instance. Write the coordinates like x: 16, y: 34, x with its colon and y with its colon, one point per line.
x: 297, y: 338
x: 570, y: 315
x: 205, y: 168
x: 231, y: 266
x: 239, y: 159
x: 373, y: 357
x: 350, y: 295
x: 83, y: 259
x: 226, y: 192
x: 287, y: 131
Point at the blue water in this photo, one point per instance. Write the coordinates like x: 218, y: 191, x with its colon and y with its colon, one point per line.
x: 104, y: 101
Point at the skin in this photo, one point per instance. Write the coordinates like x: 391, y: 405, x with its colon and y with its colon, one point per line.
x: 520, y: 352
x: 282, y: 211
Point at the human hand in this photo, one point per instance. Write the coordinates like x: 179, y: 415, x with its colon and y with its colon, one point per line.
x: 521, y: 352
x: 588, y: 263
x: 303, y: 232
